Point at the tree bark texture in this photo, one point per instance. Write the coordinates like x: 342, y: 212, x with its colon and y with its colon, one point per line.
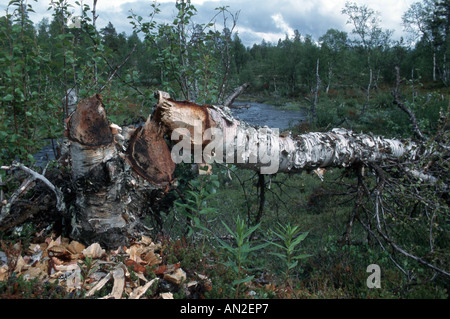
x: 117, y: 174
x: 264, y: 149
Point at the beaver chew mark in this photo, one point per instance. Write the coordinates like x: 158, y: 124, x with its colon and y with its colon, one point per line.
x: 88, y: 125
x: 149, y: 155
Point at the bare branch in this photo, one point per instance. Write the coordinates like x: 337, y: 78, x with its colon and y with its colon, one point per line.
x: 117, y: 68
x: 404, y: 108
x: 60, y: 205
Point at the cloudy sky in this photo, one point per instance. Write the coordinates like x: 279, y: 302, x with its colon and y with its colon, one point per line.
x: 258, y: 19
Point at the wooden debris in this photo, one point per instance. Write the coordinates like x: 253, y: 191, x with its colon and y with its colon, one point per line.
x: 166, y: 295
x: 94, y: 251
x: 139, y: 291
x: 64, y: 261
x: 119, y: 283
x: 176, y: 277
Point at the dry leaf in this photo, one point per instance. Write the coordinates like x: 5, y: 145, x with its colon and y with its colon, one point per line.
x: 52, y: 242
x: 32, y: 273
x: 74, y: 279
x: 94, y: 251
x: 20, y: 265
x: 57, y: 249
x: 146, y: 240
x: 135, y: 266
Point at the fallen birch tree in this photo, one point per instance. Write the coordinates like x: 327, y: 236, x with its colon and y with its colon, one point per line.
x: 215, y: 135
x: 120, y: 175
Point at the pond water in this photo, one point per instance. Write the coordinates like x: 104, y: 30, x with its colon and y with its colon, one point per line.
x: 265, y: 114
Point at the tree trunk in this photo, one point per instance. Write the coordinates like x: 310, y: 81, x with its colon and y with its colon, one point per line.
x: 228, y: 101
x: 117, y: 177
x: 216, y: 136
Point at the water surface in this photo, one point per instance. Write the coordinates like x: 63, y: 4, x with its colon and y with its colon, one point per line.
x: 266, y: 114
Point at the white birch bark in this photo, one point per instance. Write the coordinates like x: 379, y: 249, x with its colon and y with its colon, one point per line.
x: 264, y: 149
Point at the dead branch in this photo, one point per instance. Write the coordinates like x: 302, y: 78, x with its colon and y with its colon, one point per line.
x: 416, y: 129
x: 60, y: 205
x: 117, y: 68
x: 237, y: 91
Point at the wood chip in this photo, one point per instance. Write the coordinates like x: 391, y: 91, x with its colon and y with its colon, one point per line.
x: 166, y: 295
x: 119, y: 283
x: 176, y: 277
x: 99, y: 285
x: 75, y: 247
x: 139, y: 291
x: 94, y: 251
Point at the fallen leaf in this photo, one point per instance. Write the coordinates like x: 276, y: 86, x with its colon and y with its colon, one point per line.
x: 73, y: 281
x: 146, y: 240
x: 3, y: 272
x: 20, y: 265
x: 32, y: 273
x: 160, y: 270
x: 135, y: 266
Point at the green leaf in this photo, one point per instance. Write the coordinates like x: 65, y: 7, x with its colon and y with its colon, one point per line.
x: 244, y: 280
x: 301, y: 256
x: 8, y: 98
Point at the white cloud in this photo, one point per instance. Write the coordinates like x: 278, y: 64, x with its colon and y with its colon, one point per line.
x: 259, y: 19
x: 282, y: 25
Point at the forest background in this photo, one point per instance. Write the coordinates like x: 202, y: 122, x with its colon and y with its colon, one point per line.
x: 339, y: 80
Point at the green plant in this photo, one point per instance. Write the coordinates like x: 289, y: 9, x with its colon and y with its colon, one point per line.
x: 194, y: 206
x: 291, y: 237
x: 87, y: 268
x: 238, y: 259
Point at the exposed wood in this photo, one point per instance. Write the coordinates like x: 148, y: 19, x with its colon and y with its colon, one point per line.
x: 117, y: 174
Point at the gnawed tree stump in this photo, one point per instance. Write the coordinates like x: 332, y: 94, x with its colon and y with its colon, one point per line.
x: 117, y: 177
